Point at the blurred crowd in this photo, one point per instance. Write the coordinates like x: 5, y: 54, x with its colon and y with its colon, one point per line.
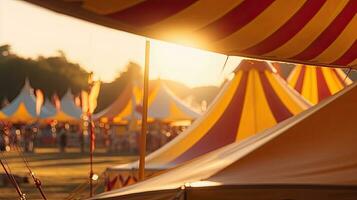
x: 113, y: 138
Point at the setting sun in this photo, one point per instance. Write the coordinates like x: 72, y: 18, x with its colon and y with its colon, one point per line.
x: 103, y: 50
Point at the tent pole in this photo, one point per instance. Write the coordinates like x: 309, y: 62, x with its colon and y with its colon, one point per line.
x: 91, y: 135
x: 144, y: 113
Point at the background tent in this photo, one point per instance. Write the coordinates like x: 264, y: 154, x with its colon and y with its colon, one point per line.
x: 47, y: 109
x: 309, y: 156
x: 254, y: 100
x: 68, y: 111
x: 317, y: 32
x: 123, y: 107
x: 2, y: 116
x: 317, y: 83
x: 165, y: 106
x: 23, y: 107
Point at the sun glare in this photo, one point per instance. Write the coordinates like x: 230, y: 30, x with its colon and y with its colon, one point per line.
x: 102, y: 50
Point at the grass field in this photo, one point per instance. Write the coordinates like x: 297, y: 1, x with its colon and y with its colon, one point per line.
x: 60, y: 173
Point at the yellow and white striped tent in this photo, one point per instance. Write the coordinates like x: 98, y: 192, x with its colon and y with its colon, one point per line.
x: 256, y: 98
x: 317, y: 83
x: 165, y: 106
x: 123, y: 107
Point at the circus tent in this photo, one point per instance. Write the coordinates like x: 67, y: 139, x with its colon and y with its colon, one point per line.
x: 123, y: 107
x: 23, y: 107
x: 68, y: 111
x: 165, y: 106
x: 254, y: 100
x: 304, y: 157
x: 313, y: 32
x: 317, y: 83
x: 47, y: 109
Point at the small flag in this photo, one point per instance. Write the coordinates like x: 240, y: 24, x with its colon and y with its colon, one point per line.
x: 84, y: 98
x: 56, y: 102
x: 93, y: 96
x: 39, y: 101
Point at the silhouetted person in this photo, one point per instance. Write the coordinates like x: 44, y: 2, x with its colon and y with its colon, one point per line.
x: 63, y: 140
x: 28, y: 139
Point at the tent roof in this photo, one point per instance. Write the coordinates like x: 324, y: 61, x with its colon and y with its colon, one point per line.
x: 255, y: 99
x: 123, y: 106
x: 317, y: 83
x: 166, y: 106
x: 47, y: 109
x: 68, y: 106
x: 23, y: 107
x: 315, y: 32
x: 316, y: 147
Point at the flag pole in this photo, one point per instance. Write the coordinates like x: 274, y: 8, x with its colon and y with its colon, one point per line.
x: 91, y: 135
x: 144, y: 113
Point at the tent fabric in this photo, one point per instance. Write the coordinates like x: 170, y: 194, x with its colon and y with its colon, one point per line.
x: 23, y: 107
x: 316, y: 32
x: 165, y: 106
x: 313, y: 153
x: 123, y: 107
x: 69, y: 111
x: 317, y: 83
x: 256, y: 98
x: 47, y: 110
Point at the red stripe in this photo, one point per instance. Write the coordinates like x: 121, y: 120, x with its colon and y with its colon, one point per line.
x: 341, y: 80
x: 279, y: 110
x: 289, y: 29
x: 349, y: 56
x: 150, y: 11
x: 224, y: 131
x: 322, y: 87
x: 235, y: 19
x: 329, y: 35
x: 300, y: 81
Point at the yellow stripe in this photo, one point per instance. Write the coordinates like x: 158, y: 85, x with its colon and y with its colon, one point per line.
x: 343, y: 42
x: 270, y: 20
x: 176, y: 113
x: 256, y: 113
x: 294, y: 75
x: 195, y: 16
x: 61, y: 116
x: 124, y: 113
x: 211, y: 117
x: 2, y: 116
x: 309, y: 88
x: 333, y: 84
x: 311, y: 30
x: 21, y: 114
x: 105, y: 7
x: 288, y: 99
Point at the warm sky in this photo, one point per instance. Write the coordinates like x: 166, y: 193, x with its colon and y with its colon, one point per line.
x: 33, y: 31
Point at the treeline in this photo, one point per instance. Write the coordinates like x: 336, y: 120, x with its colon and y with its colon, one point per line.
x: 54, y: 75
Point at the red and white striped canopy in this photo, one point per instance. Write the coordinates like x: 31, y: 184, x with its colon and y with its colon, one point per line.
x: 318, y: 32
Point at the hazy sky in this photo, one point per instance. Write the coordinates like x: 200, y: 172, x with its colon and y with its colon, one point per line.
x: 33, y: 31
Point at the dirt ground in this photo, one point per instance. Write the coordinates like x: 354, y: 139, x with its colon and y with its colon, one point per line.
x: 60, y: 173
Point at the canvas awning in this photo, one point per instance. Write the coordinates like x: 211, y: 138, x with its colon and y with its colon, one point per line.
x: 315, y: 32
